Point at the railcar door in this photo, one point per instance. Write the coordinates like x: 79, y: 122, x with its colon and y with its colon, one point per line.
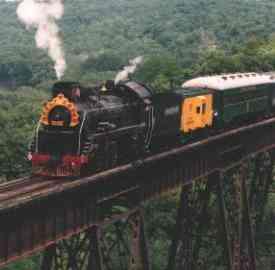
x: 206, y: 116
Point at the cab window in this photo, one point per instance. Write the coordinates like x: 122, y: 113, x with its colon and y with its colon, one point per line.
x: 198, y: 110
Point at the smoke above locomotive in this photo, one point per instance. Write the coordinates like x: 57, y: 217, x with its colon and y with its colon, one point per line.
x: 43, y: 15
x: 123, y: 75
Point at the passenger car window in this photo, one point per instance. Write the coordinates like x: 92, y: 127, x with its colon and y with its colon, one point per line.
x: 198, y: 110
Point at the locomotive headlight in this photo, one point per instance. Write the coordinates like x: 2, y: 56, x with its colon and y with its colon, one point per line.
x: 60, y: 116
x: 60, y: 112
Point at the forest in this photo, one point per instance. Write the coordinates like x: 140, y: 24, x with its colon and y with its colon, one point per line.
x: 101, y: 37
x: 179, y: 39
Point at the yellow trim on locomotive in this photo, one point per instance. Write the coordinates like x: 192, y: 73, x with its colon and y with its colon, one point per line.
x: 62, y: 101
x: 197, y: 112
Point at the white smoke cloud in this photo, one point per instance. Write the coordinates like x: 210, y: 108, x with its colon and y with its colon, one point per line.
x: 42, y: 15
x: 130, y: 69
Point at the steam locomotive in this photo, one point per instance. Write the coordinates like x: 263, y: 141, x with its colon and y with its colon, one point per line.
x: 84, y: 130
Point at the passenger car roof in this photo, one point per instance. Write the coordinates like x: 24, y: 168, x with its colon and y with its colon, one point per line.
x: 230, y: 81
x: 192, y: 92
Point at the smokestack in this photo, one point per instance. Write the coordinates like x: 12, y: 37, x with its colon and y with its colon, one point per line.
x: 42, y: 15
x: 130, y: 69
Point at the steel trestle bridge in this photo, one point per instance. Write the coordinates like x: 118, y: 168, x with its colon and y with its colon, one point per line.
x: 67, y: 220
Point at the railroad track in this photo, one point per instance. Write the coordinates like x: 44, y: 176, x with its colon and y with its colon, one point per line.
x: 6, y: 186
x: 25, y: 186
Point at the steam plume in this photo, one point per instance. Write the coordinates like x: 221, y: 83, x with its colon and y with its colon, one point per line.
x: 42, y: 15
x: 130, y: 69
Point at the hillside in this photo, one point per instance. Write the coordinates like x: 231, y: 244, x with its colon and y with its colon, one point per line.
x: 101, y: 36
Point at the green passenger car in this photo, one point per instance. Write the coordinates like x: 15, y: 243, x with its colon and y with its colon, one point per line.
x: 243, y: 102
x: 238, y: 96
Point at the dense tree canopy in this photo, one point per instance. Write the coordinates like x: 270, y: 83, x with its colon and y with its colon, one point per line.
x: 18, y: 117
x: 100, y: 37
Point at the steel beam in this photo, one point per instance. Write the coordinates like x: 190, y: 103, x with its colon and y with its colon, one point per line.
x: 219, y: 176
x: 95, y: 257
x: 94, y: 250
x: 48, y: 258
x: 247, y: 223
x: 139, y: 253
x: 182, y: 234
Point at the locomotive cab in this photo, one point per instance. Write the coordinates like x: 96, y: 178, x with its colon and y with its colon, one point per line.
x: 70, y: 90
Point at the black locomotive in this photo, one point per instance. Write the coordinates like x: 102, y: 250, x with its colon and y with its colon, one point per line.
x: 84, y: 130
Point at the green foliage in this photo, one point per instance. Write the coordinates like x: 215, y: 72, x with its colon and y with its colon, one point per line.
x: 27, y: 264
x: 160, y: 217
x: 257, y: 55
x: 159, y: 71
x: 100, y: 37
x: 102, y: 62
x: 18, y: 116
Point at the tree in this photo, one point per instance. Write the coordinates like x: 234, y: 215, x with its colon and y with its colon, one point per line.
x: 159, y: 71
x: 19, y: 112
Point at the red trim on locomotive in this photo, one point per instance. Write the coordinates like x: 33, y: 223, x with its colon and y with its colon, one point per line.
x: 69, y: 165
x: 74, y: 160
x: 39, y: 159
